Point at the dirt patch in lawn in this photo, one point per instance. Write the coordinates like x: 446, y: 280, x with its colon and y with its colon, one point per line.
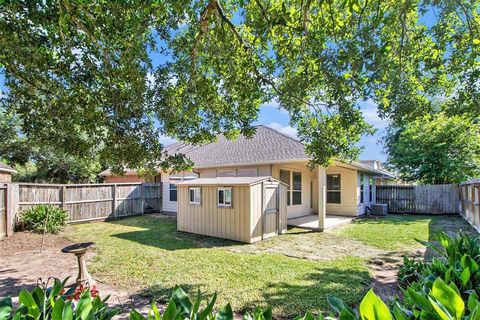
x: 22, y: 265
x: 298, y: 243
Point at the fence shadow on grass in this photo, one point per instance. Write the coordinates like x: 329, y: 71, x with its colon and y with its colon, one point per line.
x: 161, y: 232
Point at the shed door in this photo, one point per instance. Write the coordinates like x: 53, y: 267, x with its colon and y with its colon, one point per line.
x: 270, y: 216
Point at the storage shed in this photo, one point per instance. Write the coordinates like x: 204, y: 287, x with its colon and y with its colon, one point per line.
x: 246, y: 209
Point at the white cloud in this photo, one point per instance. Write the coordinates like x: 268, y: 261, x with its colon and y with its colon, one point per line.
x: 286, y: 130
x: 166, y: 140
x: 370, y: 113
x: 274, y: 104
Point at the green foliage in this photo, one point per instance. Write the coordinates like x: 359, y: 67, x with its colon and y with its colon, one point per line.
x: 436, y: 149
x: 410, y: 271
x: 57, y: 303
x: 34, y: 218
x: 91, y: 84
x: 181, y: 307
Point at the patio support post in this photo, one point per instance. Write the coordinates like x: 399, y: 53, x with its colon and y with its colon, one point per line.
x: 322, y: 197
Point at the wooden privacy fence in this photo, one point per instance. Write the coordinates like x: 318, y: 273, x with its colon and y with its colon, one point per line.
x: 83, y: 202
x: 424, y: 199
x: 469, y: 200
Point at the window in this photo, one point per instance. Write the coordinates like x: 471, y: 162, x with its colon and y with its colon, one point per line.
x: 224, y: 197
x: 362, y: 188
x: 247, y: 172
x: 173, y: 192
x: 334, y: 187
x: 194, y: 195
x: 225, y: 173
x: 285, y: 178
x: 370, y: 190
x: 294, y: 193
x: 297, y: 188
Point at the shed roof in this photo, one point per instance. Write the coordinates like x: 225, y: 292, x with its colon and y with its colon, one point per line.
x: 227, y: 181
x: 6, y: 168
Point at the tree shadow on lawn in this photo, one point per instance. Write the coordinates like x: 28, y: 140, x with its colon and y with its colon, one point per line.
x: 288, y: 299
x: 161, y: 232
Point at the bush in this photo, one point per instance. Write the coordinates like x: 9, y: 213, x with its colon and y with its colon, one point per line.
x: 57, y: 303
x: 409, y: 272
x: 34, y: 218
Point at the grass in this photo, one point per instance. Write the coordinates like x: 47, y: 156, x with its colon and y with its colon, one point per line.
x: 293, y: 273
x: 398, y: 232
x: 148, y: 254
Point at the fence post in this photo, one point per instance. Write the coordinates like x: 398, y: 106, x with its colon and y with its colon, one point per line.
x: 114, y: 200
x: 142, y: 196
x: 11, y: 206
x: 63, y: 198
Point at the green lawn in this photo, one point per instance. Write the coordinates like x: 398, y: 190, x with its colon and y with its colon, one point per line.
x: 148, y: 254
x: 293, y: 272
x: 398, y: 232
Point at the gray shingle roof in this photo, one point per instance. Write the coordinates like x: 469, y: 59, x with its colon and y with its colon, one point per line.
x: 266, y: 146
x: 6, y: 168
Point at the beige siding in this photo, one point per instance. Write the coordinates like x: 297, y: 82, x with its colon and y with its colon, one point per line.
x: 348, y: 197
x: 208, y: 219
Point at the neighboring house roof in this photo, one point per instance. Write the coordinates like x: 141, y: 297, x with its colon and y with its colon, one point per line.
x: 108, y: 172
x: 377, y: 165
x: 6, y: 168
x: 267, y: 146
x: 226, y: 181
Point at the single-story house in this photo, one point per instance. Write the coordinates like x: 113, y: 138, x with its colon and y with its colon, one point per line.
x: 385, y: 177
x: 344, y: 189
x: 6, y: 173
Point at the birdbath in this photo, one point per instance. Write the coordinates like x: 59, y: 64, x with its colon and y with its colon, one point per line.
x: 79, y: 249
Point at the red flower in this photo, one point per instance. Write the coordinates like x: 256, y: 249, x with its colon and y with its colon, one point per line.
x: 93, y: 291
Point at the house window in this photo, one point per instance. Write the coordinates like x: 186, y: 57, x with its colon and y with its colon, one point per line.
x: 173, y: 192
x: 224, y: 197
x: 195, y: 195
x: 294, y: 190
x: 285, y: 178
x: 334, y: 188
x: 362, y: 189
x: 225, y: 173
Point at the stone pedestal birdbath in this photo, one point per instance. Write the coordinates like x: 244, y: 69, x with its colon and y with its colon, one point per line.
x: 79, y: 249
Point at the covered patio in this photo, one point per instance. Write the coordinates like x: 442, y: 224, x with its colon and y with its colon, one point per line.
x: 311, y: 222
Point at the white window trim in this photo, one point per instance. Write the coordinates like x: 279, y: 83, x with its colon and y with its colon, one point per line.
x: 199, y: 189
x: 290, y: 186
x: 223, y: 205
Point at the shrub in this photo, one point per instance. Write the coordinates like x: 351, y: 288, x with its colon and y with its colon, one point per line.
x: 409, y: 272
x: 34, y: 218
x: 57, y: 303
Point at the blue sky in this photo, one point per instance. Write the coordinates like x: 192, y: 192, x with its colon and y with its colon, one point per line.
x: 278, y: 119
